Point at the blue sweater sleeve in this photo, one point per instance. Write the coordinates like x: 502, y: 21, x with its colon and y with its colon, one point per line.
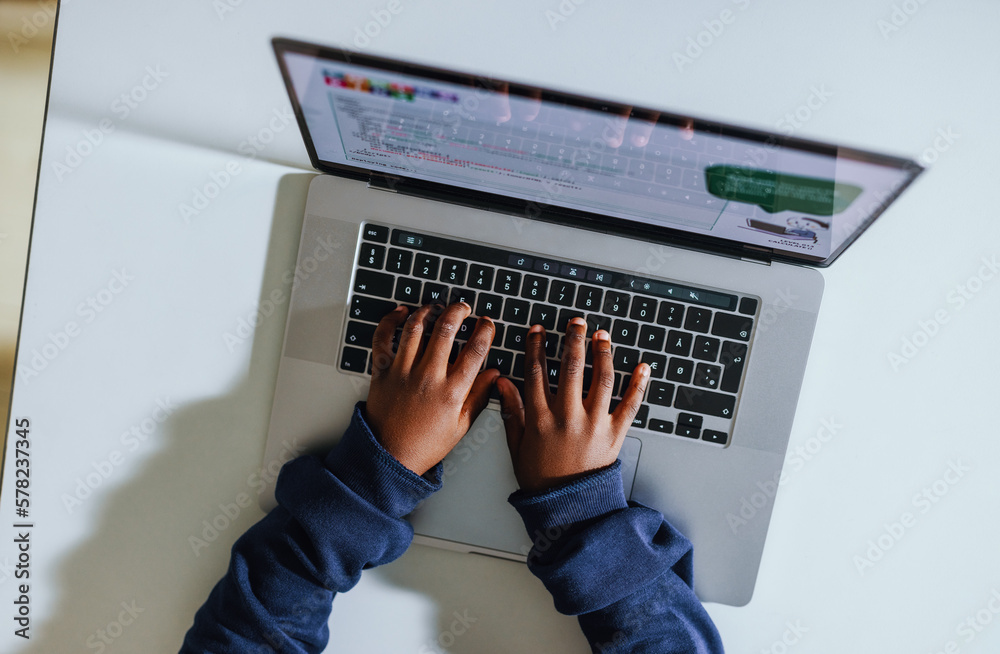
x: 334, y: 518
x: 619, y: 566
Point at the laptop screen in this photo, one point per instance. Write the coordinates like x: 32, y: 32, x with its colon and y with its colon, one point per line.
x: 660, y: 172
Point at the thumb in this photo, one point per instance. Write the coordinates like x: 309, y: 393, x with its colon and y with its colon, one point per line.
x: 512, y: 412
x: 478, y: 398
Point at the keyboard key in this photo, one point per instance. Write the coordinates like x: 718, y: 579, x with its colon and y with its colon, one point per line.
x: 551, y: 344
x: 687, y: 432
x: 625, y: 359
x: 707, y: 402
x: 616, y: 303
x: 465, y: 330
x: 407, y: 290
x: 520, y: 261
x: 515, y: 338
x: 690, y: 420
x: 359, y: 333
x: 461, y: 294
x: 731, y: 325
x: 542, y: 265
x: 680, y: 370
x: 705, y: 348
x: 712, y: 436
x: 643, y: 308
x: 553, y: 367
x: 661, y: 426
x: 481, y: 276
x: 501, y: 360
x: 373, y: 283
x: 434, y: 294
x: 565, y: 315
x: 490, y: 305
x: 670, y: 314
x: 679, y: 343
x: 370, y: 309
x: 562, y: 293
x: 660, y: 393
x: 498, y: 331
x: 624, y: 332
x: 652, y: 337
x: 372, y: 256
x: 596, y: 321
x: 589, y: 298
x: 426, y: 266
x: 544, y: 315
x: 748, y: 306
x: 453, y: 356
x: 516, y: 311
x: 353, y: 359
x: 697, y: 319
x: 399, y: 261
x: 576, y: 272
x: 453, y: 271
x: 599, y: 277
x: 657, y: 364
x: 641, y: 416
x: 732, y: 358
x: 376, y: 233
x: 508, y: 282
x: 534, y: 287
x: 518, y: 370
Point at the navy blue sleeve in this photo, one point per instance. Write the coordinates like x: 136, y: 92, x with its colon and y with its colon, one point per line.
x: 617, y: 565
x: 335, y: 518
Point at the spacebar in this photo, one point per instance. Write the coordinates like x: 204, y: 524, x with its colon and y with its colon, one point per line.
x: 707, y: 402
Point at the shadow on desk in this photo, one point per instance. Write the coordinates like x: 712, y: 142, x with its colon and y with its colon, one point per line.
x: 161, y: 539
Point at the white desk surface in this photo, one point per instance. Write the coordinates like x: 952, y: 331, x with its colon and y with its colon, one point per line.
x: 161, y: 338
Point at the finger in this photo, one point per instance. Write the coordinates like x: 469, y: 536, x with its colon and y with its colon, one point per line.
x: 512, y: 412
x: 474, y: 352
x: 382, y: 354
x: 410, y: 340
x: 526, y: 108
x: 570, y: 390
x: 614, y: 129
x: 603, y: 382
x: 638, y: 130
x: 687, y: 129
x: 536, y: 374
x: 478, y: 398
x: 622, y: 418
x: 442, y: 337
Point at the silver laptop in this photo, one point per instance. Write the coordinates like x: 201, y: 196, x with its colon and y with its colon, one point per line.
x: 692, y: 242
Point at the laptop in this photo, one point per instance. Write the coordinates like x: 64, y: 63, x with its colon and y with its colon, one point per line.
x: 694, y: 243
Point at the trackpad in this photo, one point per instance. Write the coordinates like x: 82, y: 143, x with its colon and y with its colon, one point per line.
x: 472, y: 507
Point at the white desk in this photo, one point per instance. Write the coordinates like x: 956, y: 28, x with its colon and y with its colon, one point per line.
x: 159, y: 340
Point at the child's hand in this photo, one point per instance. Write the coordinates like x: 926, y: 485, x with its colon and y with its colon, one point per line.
x: 419, y: 406
x: 556, y: 438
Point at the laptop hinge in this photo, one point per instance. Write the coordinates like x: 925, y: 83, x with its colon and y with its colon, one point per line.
x: 759, y: 255
x: 383, y: 183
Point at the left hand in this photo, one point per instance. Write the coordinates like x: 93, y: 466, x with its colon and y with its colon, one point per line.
x: 420, y: 406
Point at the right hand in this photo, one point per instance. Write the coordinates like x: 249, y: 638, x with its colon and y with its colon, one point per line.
x: 555, y: 438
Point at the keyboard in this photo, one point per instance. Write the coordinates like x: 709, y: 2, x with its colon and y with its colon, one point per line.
x: 695, y: 340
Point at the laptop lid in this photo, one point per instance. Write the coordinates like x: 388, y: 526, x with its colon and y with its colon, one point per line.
x: 591, y: 163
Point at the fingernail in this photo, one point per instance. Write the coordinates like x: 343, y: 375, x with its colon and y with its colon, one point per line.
x: 601, y: 335
x: 577, y: 321
x: 644, y: 369
x: 466, y: 305
x: 535, y: 329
